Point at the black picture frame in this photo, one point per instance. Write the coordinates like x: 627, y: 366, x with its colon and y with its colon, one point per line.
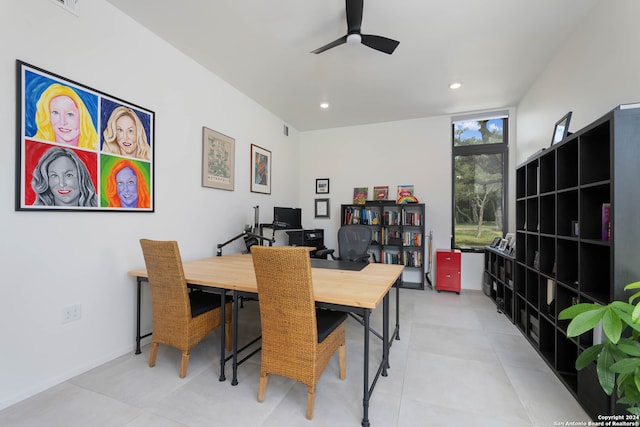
x: 561, y: 129
x: 88, y: 142
x: 322, y: 208
x: 322, y: 186
x: 495, y: 242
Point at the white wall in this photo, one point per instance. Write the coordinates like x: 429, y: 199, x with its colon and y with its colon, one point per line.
x: 414, y: 152
x: 596, y: 70
x: 50, y: 260
x: 404, y: 152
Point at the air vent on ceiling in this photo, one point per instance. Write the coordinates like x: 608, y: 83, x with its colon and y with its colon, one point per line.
x: 72, y: 6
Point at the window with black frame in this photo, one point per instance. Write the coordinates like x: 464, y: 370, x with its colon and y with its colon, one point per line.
x: 480, y: 159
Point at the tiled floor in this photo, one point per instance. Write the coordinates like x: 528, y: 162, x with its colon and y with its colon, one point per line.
x: 458, y: 363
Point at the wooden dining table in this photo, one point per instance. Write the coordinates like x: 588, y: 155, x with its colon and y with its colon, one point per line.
x: 339, y: 285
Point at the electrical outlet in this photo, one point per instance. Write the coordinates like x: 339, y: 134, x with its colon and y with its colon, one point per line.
x: 71, y: 313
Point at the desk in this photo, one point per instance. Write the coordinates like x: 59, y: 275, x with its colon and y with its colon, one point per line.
x: 352, y: 291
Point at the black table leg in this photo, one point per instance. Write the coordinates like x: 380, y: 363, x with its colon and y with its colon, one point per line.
x: 234, y: 344
x: 397, y: 328
x: 385, y: 334
x: 139, y: 303
x: 366, y: 394
x: 223, y: 313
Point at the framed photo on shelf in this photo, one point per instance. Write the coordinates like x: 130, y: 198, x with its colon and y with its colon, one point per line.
x: 561, y: 129
x: 381, y: 192
x: 218, y: 160
x: 322, y: 208
x: 503, y: 244
x: 510, y: 238
x: 495, y: 242
x: 360, y: 195
x: 260, y: 170
x: 322, y: 186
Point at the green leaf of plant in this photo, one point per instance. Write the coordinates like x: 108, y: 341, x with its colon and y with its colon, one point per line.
x: 585, y: 321
x: 634, y: 285
x: 574, y: 310
x: 636, y: 312
x: 633, y: 297
x: 588, y: 356
x: 603, y: 367
x: 626, y: 366
x: 626, y: 318
x: 611, y: 325
x: 629, y: 346
x: 621, y: 306
x: 636, y: 378
x: 634, y: 410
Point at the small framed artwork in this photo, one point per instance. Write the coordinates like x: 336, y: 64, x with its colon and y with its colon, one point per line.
x: 218, y: 160
x: 561, y: 129
x: 261, y: 169
x: 322, y: 186
x: 322, y: 208
x: 496, y: 242
x: 381, y: 192
x: 360, y: 195
x: 510, y: 238
x: 503, y: 244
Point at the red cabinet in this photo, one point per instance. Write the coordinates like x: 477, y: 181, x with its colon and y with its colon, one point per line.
x: 448, y: 270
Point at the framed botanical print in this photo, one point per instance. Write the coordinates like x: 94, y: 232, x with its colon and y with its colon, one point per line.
x: 261, y: 169
x: 218, y: 160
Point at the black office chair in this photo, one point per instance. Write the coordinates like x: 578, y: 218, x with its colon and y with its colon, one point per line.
x: 354, y: 241
x: 353, y: 244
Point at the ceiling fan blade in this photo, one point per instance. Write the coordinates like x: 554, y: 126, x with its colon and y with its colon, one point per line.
x: 380, y: 43
x: 341, y: 40
x: 354, y: 15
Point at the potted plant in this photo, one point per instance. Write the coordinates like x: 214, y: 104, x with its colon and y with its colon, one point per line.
x: 618, y: 357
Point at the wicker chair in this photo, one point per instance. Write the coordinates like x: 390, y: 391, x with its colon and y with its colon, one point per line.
x: 181, y: 319
x: 298, y: 340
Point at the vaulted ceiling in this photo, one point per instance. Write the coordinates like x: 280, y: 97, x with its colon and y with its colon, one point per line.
x: 495, y: 48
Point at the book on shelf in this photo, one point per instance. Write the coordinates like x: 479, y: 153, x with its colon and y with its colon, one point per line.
x: 412, y: 238
x: 606, y: 221
x: 411, y: 218
x: 536, y: 260
x: 391, y: 218
x: 380, y: 192
x: 412, y: 259
x: 551, y: 291
x: 360, y: 195
x: 357, y: 215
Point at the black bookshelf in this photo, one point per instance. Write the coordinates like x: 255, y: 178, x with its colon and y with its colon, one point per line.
x: 565, y: 252
x: 499, y: 279
x: 398, y: 235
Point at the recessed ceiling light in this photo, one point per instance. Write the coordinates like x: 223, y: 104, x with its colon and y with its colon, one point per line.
x: 324, y: 105
x: 456, y: 85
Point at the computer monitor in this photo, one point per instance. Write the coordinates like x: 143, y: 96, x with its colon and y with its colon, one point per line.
x: 292, y: 217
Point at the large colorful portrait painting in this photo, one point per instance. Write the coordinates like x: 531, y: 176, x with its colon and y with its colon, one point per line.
x: 79, y: 148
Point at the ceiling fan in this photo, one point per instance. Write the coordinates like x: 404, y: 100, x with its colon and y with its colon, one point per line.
x: 354, y: 36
